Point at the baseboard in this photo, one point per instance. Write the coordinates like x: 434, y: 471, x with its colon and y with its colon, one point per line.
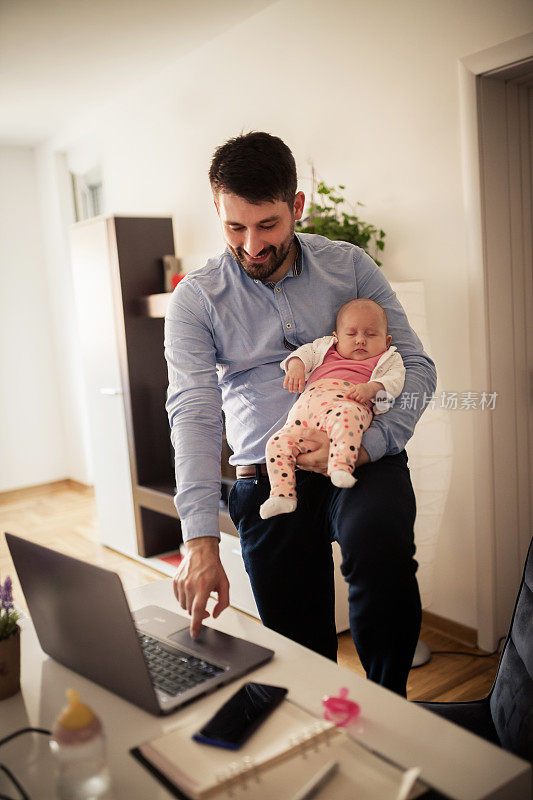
x: 455, y: 630
x: 43, y: 489
x: 78, y: 485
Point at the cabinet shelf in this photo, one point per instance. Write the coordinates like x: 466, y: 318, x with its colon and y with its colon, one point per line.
x: 157, y: 497
x: 160, y: 498
x: 154, y: 305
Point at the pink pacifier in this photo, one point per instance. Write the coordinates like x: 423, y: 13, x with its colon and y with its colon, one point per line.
x: 339, y: 709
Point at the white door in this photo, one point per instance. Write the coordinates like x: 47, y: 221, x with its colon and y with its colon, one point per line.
x: 98, y: 313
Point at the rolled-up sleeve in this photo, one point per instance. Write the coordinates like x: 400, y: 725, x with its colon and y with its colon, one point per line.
x: 389, y: 433
x: 194, y: 406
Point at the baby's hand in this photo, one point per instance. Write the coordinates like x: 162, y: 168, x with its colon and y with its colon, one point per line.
x: 362, y: 392
x: 295, y: 377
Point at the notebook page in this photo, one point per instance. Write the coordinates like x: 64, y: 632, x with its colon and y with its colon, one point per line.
x: 200, y: 770
x: 361, y: 775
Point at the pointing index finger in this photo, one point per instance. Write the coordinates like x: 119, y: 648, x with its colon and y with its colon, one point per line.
x: 198, y: 613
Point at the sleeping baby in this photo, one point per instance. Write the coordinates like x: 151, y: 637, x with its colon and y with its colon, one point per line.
x: 350, y: 376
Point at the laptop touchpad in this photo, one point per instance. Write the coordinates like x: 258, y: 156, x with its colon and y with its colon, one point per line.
x: 210, y: 644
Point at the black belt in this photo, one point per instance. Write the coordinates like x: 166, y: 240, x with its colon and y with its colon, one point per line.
x: 251, y: 471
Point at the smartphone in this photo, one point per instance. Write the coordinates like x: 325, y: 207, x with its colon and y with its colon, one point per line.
x: 241, y: 715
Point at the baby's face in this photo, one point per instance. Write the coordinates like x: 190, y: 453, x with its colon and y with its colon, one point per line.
x: 362, y: 334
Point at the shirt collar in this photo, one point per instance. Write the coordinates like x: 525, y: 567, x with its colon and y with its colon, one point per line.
x: 297, y: 266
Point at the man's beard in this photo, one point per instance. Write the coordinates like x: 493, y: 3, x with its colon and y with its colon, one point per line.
x: 262, y: 272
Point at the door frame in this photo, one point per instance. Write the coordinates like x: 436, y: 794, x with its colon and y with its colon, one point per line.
x: 490, y: 543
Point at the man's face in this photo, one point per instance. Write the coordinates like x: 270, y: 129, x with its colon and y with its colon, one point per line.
x: 260, y: 236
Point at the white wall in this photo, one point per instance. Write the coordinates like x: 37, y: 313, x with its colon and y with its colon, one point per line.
x: 56, y: 208
x: 369, y: 92
x: 32, y: 444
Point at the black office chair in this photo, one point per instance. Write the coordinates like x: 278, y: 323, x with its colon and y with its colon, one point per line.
x: 505, y: 715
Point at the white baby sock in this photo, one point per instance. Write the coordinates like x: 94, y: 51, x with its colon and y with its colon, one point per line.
x: 277, y: 505
x: 342, y: 479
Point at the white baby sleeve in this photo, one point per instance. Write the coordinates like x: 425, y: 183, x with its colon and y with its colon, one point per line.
x: 393, y: 379
x: 312, y: 354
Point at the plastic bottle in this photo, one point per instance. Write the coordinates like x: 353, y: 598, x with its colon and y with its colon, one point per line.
x: 79, y: 746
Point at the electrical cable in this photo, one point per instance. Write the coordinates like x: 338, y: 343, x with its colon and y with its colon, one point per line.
x: 24, y: 730
x: 7, y: 771
x: 15, y: 782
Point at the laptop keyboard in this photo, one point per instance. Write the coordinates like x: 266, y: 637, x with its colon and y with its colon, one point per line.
x: 172, y: 670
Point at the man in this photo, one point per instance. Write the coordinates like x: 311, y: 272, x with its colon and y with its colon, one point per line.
x: 228, y: 327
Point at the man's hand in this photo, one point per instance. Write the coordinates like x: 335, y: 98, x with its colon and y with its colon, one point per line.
x: 362, y: 457
x: 315, y: 452
x: 295, y: 377
x: 364, y: 392
x: 200, y: 573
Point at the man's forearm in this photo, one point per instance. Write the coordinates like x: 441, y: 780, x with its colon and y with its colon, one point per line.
x: 389, y: 433
x: 194, y: 412
x: 197, y: 442
x: 203, y: 543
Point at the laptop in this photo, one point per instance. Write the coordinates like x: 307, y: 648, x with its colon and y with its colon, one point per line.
x: 83, y: 620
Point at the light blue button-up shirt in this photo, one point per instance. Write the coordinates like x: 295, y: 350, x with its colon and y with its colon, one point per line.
x: 225, y: 336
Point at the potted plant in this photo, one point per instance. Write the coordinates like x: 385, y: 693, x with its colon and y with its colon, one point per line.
x: 9, y: 642
x: 329, y: 215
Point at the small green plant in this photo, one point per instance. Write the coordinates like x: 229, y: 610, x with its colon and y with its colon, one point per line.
x: 327, y: 215
x: 8, y: 614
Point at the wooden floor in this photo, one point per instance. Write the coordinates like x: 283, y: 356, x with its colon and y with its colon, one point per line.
x: 63, y: 516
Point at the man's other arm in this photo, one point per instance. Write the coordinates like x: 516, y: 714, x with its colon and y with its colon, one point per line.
x: 389, y: 433
x: 194, y: 411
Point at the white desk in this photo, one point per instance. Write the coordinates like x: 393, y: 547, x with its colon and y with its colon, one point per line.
x: 454, y: 761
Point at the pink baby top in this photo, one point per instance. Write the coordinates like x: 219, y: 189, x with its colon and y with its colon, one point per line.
x: 335, y: 366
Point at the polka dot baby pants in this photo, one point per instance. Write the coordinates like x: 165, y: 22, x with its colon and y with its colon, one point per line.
x: 323, y: 405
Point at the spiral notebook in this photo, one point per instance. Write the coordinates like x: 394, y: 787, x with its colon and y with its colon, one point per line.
x: 276, y: 761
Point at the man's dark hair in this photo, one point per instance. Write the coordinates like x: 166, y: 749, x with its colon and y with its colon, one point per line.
x: 255, y: 166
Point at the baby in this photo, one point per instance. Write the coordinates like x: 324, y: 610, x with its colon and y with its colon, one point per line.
x: 348, y: 375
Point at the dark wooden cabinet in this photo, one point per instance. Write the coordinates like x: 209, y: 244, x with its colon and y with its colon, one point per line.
x: 126, y: 253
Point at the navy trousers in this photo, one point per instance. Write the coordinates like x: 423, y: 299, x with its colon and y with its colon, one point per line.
x: 289, y: 562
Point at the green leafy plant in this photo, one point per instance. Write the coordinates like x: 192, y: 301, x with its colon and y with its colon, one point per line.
x: 329, y: 216
x: 8, y: 614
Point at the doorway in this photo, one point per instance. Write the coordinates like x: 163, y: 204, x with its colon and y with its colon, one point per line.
x: 497, y: 99
x: 505, y: 112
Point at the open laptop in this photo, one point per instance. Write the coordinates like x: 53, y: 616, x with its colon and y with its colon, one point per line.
x: 83, y: 620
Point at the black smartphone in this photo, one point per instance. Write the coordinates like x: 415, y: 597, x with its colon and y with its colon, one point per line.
x: 241, y: 715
